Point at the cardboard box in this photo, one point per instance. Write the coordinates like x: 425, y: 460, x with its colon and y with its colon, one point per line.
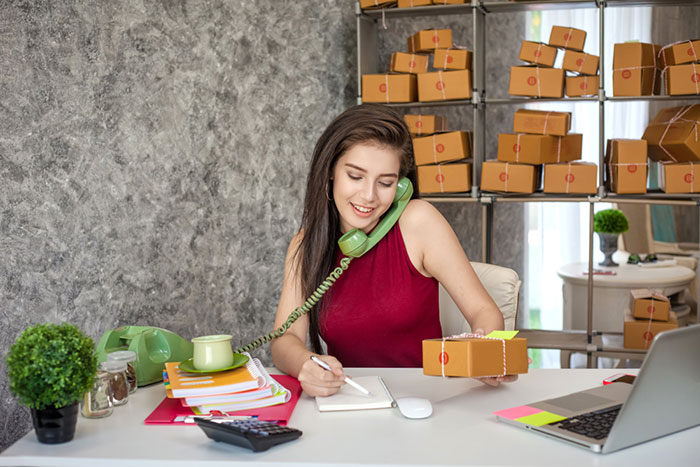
x: 509, y: 177
x: 443, y: 147
x: 536, y: 81
x: 538, y: 149
x: 444, y: 85
x: 672, y: 135
x: 538, y: 53
x: 626, y: 165
x: 474, y: 357
x: 448, y: 2
x: 682, y: 79
x: 579, y: 86
x: 408, y: 63
x: 445, y: 178
x: 567, y: 38
x: 648, y: 304
x: 682, y: 52
x: 369, y: 4
x: 638, y: 333
x: 636, y: 69
x: 679, y: 178
x: 413, y: 3
x: 581, y: 63
x: 389, y: 88
x: 541, y: 122
x: 430, y: 39
x: 452, y: 59
x: 571, y: 177
x: 422, y: 125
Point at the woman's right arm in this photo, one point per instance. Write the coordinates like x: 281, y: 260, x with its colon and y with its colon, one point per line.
x: 289, y: 352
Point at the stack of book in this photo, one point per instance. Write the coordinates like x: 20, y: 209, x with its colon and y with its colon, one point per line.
x: 247, y: 387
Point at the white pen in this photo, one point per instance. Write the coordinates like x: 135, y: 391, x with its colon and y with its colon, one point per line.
x: 348, y: 380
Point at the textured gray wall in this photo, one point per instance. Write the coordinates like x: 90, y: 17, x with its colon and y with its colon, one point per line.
x: 153, y: 157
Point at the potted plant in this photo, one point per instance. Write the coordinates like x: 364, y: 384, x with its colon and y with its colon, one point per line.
x: 51, y: 367
x: 609, y: 224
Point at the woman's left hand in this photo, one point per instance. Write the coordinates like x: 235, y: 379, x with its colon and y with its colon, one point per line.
x: 496, y: 380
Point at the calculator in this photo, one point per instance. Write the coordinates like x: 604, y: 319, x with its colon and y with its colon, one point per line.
x: 252, y: 434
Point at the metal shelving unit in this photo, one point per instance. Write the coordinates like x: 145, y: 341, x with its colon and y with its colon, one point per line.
x: 589, y: 341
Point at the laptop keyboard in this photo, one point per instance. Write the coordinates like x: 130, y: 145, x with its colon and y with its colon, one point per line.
x: 595, y: 425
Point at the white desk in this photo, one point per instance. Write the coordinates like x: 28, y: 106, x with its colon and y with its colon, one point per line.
x: 611, y: 293
x: 461, y: 431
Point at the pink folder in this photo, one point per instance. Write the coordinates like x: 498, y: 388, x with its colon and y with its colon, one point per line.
x: 168, y: 410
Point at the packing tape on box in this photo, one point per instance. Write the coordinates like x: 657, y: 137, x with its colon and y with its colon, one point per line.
x: 419, y: 124
x: 505, y: 188
x: 442, y: 85
x: 546, y: 119
x: 434, y: 150
x: 583, y: 62
x: 682, y: 111
x: 539, y: 90
x: 517, y: 147
x: 559, y: 138
x: 468, y: 335
x: 568, y: 177
x: 440, y: 179
x: 568, y: 37
x: 386, y: 84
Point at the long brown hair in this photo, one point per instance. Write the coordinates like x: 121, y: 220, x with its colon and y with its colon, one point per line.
x: 320, y: 223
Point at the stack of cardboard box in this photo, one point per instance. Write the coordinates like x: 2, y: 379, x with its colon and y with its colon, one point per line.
x: 681, y: 70
x: 636, y: 69
x: 673, y: 140
x: 649, y: 313
x: 542, y: 79
x: 626, y: 166
x: 539, y: 137
x: 439, y: 155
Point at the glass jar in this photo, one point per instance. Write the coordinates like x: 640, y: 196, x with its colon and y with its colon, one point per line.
x: 128, y: 356
x: 97, y: 402
x: 117, y: 381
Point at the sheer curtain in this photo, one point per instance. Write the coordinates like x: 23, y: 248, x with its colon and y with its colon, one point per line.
x: 558, y: 232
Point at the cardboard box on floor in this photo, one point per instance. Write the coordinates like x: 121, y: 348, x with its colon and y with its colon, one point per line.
x: 474, y: 357
x: 680, y: 178
x: 428, y: 40
x: 579, y: 62
x: 682, y: 52
x: 636, y: 69
x: 579, y: 86
x: 444, y: 85
x: 445, y: 178
x: 442, y: 147
x: 538, y: 53
x: 408, y: 63
x: 452, y: 59
x: 536, y: 81
x: 387, y: 88
x: 679, y: 127
x: 648, y: 304
x: 509, y: 177
x: 626, y: 165
x: 541, y: 122
x: 423, y: 125
x: 638, y: 333
x: 567, y: 37
x: 538, y: 149
x: 683, y: 79
x: 571, y: 178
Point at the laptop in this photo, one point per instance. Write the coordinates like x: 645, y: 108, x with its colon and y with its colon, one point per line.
x: 662, y: 400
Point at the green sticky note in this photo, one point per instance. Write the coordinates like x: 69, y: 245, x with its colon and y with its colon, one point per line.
x: 507, y: 335
x: 540, y: 418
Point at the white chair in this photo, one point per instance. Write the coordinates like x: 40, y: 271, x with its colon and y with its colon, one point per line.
x: 502, y: 284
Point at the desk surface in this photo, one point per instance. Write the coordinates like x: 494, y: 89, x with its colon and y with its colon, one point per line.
x: 629, y: 275
x: 461, y: 431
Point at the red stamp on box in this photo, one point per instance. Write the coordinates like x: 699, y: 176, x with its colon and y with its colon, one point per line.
x: 579, y: 62
x: 436, y: 39
x: 419, y: 124
x: 516, y: 148
x: 382, y: 87
x: 626, y: 74
x: 439, y: 178
x: 412, y: 64
x: 440, y: 85
x: 650, y: 310
x: 443, y: 358
x: 532, y: 81
x: 648, y: 336
x: 538, y: 53
x: 567, y: 36
x: 632, y: 168
x: 695, y: 77
x: 691, y: 52
x: 688, y: 178
x: 440, y: 147
x: 583, y: 85
x: 569, y: 178
x: 503, y: 176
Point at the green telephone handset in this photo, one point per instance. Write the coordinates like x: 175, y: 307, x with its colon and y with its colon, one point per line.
x: 353, y: 244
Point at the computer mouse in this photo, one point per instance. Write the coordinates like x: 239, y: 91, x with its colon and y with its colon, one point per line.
x: 414, y: 407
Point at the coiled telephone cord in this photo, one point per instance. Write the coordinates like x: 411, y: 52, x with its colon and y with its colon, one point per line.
x: 302, y: 310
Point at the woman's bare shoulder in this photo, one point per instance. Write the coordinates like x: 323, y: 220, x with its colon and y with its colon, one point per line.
x: 420, y: 214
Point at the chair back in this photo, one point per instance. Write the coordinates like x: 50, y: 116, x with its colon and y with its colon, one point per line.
x: 502, y: 284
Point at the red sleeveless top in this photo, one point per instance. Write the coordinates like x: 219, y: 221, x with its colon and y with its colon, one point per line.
x: 381, y: 308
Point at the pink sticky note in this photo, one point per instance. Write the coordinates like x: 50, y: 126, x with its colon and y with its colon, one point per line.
x: 517, y: 412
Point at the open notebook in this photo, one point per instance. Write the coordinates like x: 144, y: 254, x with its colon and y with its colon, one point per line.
x: 349, y: 398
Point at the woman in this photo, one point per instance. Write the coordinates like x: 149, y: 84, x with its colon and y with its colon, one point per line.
x: 381, y: 308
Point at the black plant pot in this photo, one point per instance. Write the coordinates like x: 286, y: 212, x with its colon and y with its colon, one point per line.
x: 54, y: 425
x: 608, y: 245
